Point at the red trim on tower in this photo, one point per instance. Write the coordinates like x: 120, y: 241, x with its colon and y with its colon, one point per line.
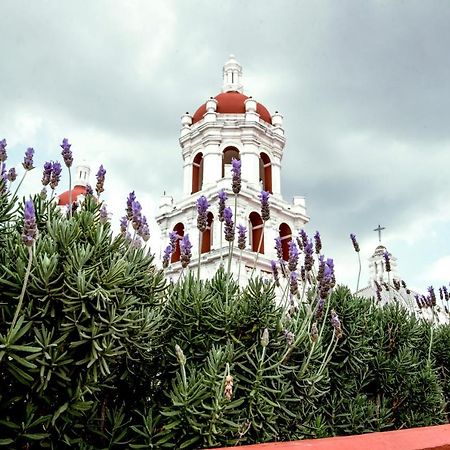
x: 63, y: 199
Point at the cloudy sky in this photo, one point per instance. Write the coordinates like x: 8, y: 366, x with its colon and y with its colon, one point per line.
x: 363, y: 87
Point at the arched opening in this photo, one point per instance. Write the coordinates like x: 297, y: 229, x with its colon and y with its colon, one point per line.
x: 197, y: 173
x: 256, y: 232
x: 179, y: 228
x: 229, y: 154
x: 265, y: 172
x: 207, y: 235
x: 286, y: 237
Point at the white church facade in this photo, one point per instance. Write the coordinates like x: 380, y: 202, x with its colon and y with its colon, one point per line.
x: 231, y: 125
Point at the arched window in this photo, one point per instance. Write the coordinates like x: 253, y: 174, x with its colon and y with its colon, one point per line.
x: 286, y: 237
x: 197, y: 173
x: 256, y: 232
x: 207, y: 235
x: 179, y: 228
x: 265, y: 172
x: 228, y: 154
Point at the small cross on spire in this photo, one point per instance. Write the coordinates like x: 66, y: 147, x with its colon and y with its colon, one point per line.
x: 379, y: 229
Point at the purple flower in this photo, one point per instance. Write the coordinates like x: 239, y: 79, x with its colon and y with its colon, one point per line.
x: 100, y: 180
x: 265, y: 210
x: 103, y: 215
x: 387, y: 261
x: 279, y: 248
x: 173, y: 239
x: 29, y: 233
x: 446, y: 296
x: 123, y: 225
x: 320, y: 307
x: 293, y: 256
x: 318, y: 242
x: 12, y: 175
x: 202, y: 210
x: 236, y: 175
x: 242, y: 231
x: 89, y: 190
x: 131, y: 198
x: 222, y: 199
x: 28, y: 159
x: 185, y: 251
x: 293, y: 283
x: 432, y: 296
x: 309, y: 250
x: 303, y: 239
x: 56, y: 174
x: 47, y: 173
x: 3, y: 154
x: 166, y: 256
x: 276, y: 277
x: 66, y: 152
x: 229, y: 224
x: 354, y: 242
x: 143, y: 230
x: 336, y: 324
x: 136, y: 218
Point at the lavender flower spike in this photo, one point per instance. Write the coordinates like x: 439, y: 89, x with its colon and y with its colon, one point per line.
x: 242, y: 231
x: 166, y: 256
x: 293, y: 283
x: 293, y: 256
x: 12, y: 175
x: 66, y: 152
x: 144, y: 231
x: 265, y: 210
x: 236, y: 175
x: 276, y: 277
x: 185, y: 249
x: 28, y: 159
x: 279, y: 248
x: 123, y: 225
x: 47, y: 173
x: 89, y: 190
x: 136, y: 218
x: 131, y: 198
x: 222, y: 199
x: 336, y: 324
x: 387, y: 261
x: 3, y: 154
x: 103, y: 215
x: 56, y: 175
x: 354, y: 242
x: 173, y: 239
x: 29, y: 233
x: 229, y: 224
x: 100, y: 180
x: 202, y: 210
x: 318, y: 242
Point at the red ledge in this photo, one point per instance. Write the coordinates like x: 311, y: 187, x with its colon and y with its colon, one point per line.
x: 426, y: 438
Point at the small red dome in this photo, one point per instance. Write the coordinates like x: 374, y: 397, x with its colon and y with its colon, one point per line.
x: 63, y: 199
x: 232, y: 103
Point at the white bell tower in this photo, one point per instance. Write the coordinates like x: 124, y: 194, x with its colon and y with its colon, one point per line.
x: 231, y: 125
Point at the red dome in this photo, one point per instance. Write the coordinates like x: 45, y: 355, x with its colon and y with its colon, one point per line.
x: 232, y: 103
x: 63, y: 199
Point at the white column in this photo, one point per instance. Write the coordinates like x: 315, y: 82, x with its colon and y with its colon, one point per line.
x: 250, y: 163
x: 276, y: 176
x: 212, y: 163
x: 187, y: 178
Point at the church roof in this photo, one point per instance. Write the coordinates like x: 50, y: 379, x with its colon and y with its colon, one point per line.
x: 232, y: 103
x: 63, y: 199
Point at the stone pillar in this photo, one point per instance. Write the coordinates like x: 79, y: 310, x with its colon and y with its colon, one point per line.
x: 212, y: 163
x: 276, y: 176
x: 250, y: 162
x: 187, y: 178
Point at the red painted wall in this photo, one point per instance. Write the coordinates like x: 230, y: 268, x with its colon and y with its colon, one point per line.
x: 427, y: 438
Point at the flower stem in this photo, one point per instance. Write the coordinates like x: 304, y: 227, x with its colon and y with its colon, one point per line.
x: 359, y: 272
x: 24, y: 287
x: 261, y: 237
x: 70, y: 193
x: 20, y: 183
x: 239, y: 269
x: 200, y: 243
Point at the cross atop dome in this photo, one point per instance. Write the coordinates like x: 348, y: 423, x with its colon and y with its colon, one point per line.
x: 232, y: 76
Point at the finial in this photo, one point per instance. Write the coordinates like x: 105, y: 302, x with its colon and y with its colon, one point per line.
x: 232, y: 74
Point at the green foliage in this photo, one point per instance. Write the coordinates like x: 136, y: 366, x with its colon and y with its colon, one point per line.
x: 92, y: 361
